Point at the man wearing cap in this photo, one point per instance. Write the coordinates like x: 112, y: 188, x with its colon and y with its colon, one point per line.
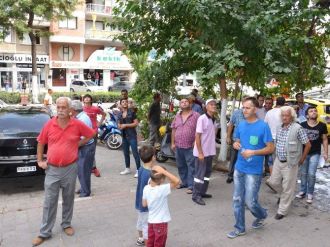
x: 86, y: 152
x: 204, y: 150
x: 182, y: 142
x: 62, y: 134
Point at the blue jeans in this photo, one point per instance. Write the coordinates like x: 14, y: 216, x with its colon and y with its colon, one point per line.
x: 307, y: 172
x: 186, y: 165
x: 127, y: 142
x: 85, y: 165
x: 246, y: 189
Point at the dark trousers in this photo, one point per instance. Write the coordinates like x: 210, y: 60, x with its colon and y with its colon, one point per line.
x: 203, y: 169
x: 127, y: 142
x: 233, y: 159
x: 185, y: 161
x: 85, y: 165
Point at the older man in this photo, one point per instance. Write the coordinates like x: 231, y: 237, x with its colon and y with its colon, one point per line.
x: 86, y: 152
x: 63, y: 135
x: 182, y: 142
x: 290, y: 154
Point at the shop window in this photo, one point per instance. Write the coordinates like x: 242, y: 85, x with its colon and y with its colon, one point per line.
x: 59, y: 77
x: 68, y: 23
x: 26, y: 39
x: 65, y: 53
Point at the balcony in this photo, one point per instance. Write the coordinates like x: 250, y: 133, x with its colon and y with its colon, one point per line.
x: 98, y: 9
x: 101, y: 35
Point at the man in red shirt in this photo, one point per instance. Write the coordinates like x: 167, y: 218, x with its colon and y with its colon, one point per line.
x: 92, y: 112
x: 63, y: 135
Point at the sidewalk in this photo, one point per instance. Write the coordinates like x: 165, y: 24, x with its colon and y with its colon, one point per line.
x: 108, y: 218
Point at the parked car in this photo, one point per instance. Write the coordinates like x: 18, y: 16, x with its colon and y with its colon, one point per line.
x: 85, y: 86
x: 120, y: 83
x: 19, y: 129
x: 322, y: 106
x: 2, y: 104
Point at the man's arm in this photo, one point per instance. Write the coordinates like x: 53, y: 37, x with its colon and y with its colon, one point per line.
x: 325, y: 146
x: 102, y: 118
x: 144, y: 203
x: 40, y: 156
x: 230, y: 129
x: 270, y: 147
x: 305, y: 152
x: 131, y: 125
x: 173, y: 139
x: 199, y: 146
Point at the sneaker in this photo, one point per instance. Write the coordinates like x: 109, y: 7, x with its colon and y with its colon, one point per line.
x: 136, y: 174
x: 96, y: 172
x: 126, y: 171
x: 309, y: 198
x: 258, y: 223
x: 140, y: 242
x: 235, y: 234
x: 300, y: 195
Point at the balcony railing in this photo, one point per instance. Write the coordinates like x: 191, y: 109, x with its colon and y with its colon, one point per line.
x: 98, y: 9
x: 101, y: 34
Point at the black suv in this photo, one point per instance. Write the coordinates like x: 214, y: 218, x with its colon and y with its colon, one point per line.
x: 19, y: 129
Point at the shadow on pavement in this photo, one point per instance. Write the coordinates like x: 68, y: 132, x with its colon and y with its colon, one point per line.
x: 10, y: 186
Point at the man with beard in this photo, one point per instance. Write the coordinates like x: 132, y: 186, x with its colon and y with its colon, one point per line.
x: 317, y: 135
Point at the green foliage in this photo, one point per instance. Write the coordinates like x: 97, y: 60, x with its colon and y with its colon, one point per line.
x: 10, y: 98
x: 250, y: 40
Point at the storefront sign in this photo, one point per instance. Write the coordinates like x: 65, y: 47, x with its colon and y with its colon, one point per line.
x: 29, y: 65
x: 22, y: 58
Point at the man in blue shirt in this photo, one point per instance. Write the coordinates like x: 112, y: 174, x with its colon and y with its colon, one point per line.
x: 86, y: 153
x: 254, y: 140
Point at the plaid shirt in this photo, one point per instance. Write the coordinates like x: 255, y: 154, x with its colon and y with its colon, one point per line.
x: 185, y: 131
x: 281, y: 139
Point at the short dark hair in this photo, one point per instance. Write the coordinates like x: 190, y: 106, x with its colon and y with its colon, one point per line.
x: 156, y: 96
x: 269, y: 98
x: 88, y: 96
x: 253, y: 100
x: 124, y: 90
x: 146, y: 153
x: 300, y: 93
x: 76, y: 97
x: 259, y: 96
x: 156, y: 177
x: 280, y: 101
x: 310, y: 107
x: 122, y: 100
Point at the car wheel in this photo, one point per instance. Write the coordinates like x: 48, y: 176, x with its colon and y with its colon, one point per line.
x: 71, y: 90
x: 114, y: 141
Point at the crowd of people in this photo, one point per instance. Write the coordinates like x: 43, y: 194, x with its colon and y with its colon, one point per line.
x: 280, y: 140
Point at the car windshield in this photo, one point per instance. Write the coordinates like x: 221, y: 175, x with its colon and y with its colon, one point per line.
x: 22, y: 124
x: 90, y: 83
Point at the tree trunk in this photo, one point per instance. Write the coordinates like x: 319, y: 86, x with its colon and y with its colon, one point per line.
x: 32, y: 35
x: 223, y: 120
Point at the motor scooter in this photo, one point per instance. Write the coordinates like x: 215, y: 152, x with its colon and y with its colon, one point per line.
x: 164, y: 151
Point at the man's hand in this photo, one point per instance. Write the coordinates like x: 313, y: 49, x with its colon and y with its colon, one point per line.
x: 325, y: 156
x: 121, y: 126
x: 173, y: 147
x: 201, y: 156
x: 301, y: 161
x: 43, y: 164
x: 247, y: 153
x: 237, y: 145
x: 228, y: 139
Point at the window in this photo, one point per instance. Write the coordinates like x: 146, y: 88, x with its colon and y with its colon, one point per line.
x: 26, y: 39
x: 68, y: 23
x: 65, y: 53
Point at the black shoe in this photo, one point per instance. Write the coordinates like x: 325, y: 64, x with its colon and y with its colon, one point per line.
x: 269, y: 186
x: 279, y: 216
x: 199, y: 201
x: 207, y: 196
x: 229, y: 180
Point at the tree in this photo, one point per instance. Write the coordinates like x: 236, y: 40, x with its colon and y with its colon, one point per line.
x: 248, y: 41
x: 21, y: 15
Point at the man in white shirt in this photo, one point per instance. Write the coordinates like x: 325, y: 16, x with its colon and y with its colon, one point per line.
x: 48, y: 101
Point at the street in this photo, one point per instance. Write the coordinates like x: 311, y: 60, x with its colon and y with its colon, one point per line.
x: 108, y: 218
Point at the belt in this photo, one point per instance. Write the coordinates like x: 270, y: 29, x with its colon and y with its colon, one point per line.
x: 282, y: 161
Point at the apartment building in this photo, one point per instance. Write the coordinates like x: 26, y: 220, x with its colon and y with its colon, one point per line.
x: 16, y: 60
x: 84, y: 48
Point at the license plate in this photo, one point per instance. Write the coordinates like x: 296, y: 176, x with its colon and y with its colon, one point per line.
x: 27, y: 169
